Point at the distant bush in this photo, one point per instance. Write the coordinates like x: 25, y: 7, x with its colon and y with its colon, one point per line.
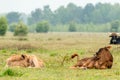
x: 3, y: 26
x: 50, y: 38
x: 72, y: 27
x: 42, y: 26
x: 114, y: 26
x: 59, y: 39
x: 32, y: 28
x: 23, y: 39
x: 21, y: 29
x: 12, y: 27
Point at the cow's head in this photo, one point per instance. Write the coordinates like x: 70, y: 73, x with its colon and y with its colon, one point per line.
x: 113, y: 34
x: 102, y: 52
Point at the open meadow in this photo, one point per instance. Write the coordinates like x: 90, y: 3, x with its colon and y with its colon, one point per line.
x: 55, y: 49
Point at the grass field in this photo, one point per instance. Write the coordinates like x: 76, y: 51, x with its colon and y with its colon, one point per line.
x: 53, y: 48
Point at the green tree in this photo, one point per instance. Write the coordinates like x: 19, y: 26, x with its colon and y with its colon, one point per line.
x: 60, y: 15
x: 21, y: 29
x: 13, y: 17
x: 42, y: 26
x: 35, y: 17
x: 114, y: 26
x: 89, y: 8
x: 101, y: 13
x: 47, y: 13
x: 12, y: 27
x: 3, y: 26
x: 72, y: 27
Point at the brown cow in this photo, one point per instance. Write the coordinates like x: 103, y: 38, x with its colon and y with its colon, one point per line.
x: 101, y: 60
x: 25, y: 61
x: 35, y: 62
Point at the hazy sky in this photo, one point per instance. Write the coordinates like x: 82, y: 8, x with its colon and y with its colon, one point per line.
x: 28, y: 5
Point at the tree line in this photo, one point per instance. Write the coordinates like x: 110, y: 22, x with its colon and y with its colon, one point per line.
x: 74, y: 18
x: 97, y: 14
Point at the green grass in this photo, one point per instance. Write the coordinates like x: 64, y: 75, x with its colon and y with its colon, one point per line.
x: 55, y: 49
x: 11, y: 72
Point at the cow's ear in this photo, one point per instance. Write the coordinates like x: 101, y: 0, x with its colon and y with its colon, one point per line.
x: 108, y: 47
x: 23, y: 56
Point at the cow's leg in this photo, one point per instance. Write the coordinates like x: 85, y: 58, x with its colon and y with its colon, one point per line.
x: 75, y: 66
x: 100, y: 66
x: 103, y: 67
x: 96, y: 65
x: 109, y: 64
x: 91, y: 65
x: 86, y: 63
x: 72, y: 67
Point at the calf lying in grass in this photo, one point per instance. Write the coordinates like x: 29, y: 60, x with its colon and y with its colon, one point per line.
x: 103, y: 59
x: 24, y: 61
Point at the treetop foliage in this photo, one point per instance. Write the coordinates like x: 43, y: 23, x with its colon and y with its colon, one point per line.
x: 90, y: 17
x: 3, y: 26
x: 13, y: 17
x: 97, y: 14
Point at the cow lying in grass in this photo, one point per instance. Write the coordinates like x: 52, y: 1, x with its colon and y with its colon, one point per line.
x: 24, y: 61
x: 101, y: 60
